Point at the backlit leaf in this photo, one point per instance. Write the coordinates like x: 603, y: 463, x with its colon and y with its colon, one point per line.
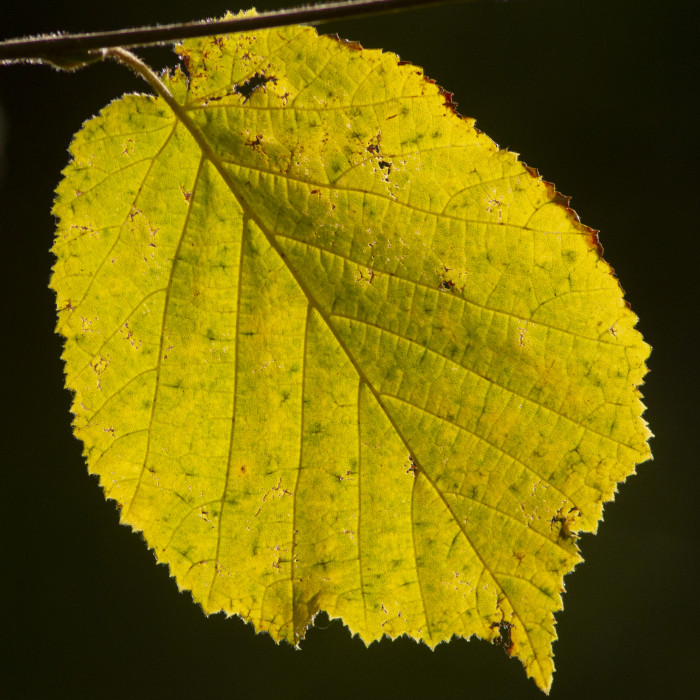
x: 333, y: 350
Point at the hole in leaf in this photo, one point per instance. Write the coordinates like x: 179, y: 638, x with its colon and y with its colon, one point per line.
x: 504, y: 637
x: 248, y: 87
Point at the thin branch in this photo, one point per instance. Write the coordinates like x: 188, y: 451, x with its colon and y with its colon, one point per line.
x: 70, y: 51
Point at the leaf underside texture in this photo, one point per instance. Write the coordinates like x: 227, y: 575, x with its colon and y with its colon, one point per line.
x: 332, y: 349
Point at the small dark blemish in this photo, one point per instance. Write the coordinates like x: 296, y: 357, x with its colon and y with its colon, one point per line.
x: 413, y: 469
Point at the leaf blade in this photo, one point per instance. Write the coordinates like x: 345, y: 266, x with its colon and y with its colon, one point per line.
x: 396, y: 293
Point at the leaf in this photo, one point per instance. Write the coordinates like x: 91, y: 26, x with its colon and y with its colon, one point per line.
x: 332, y: 349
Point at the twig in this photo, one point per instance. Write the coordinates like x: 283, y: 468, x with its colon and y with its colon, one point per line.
x: 71, y: 51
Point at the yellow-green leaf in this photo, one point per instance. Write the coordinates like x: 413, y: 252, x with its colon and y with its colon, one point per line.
x: 333, y: 350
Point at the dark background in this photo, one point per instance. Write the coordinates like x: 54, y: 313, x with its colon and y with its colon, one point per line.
x: 597, y: 94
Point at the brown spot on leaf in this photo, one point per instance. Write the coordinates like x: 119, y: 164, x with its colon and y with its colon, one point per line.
x: 413, y: 468
x: 566, y: 521
x: 449, y: 102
